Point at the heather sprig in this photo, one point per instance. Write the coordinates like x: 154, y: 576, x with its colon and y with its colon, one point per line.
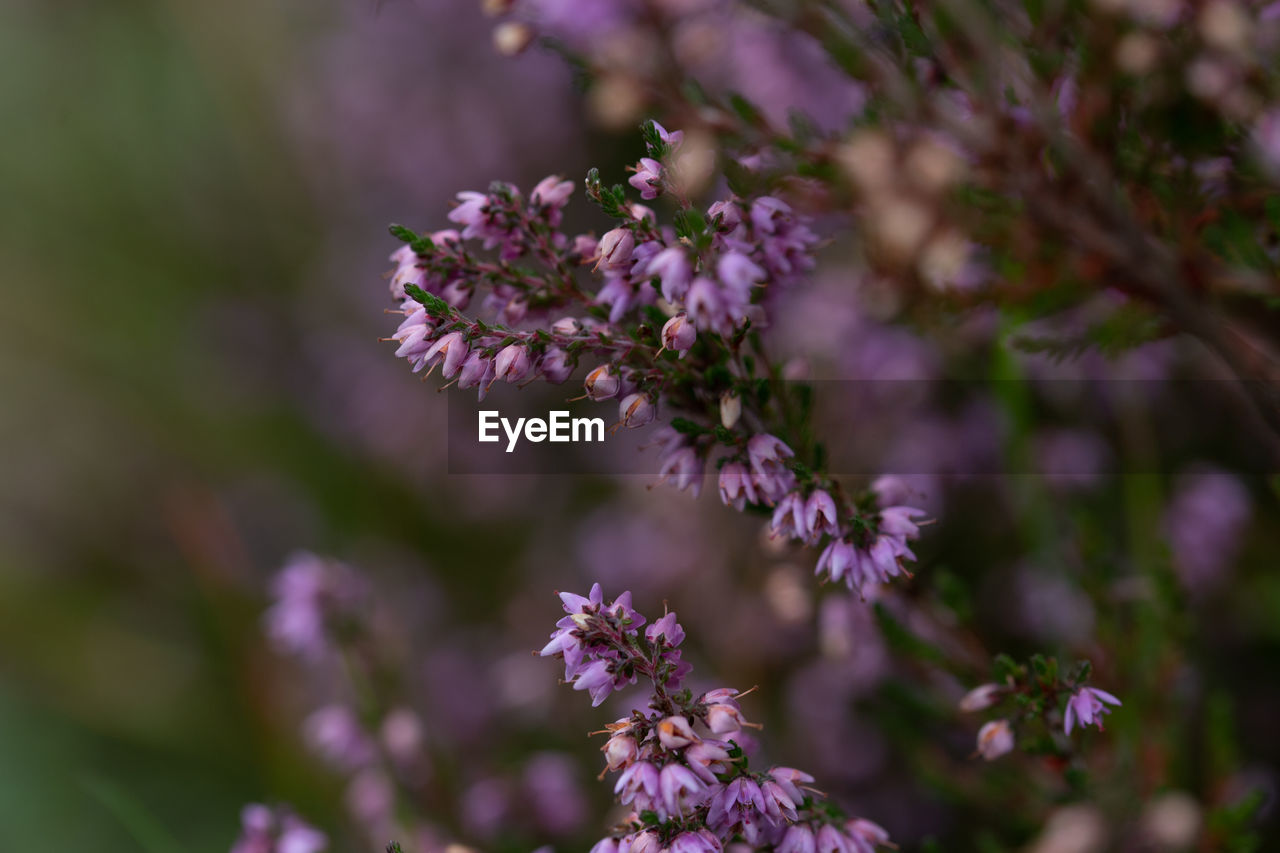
x: 679, y: 768
x: 1038, y: 692
x: 1030, y: 159
x: 671, y: 316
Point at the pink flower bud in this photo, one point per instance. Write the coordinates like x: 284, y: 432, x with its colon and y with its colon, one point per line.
x: 678, y: 334
x: 602, y: 383
x: 637, y: 410
x: 981, y: 697
x: 675, y: 732
x: 514, y: 311
x: 512, y: 364
x: 552, y: 192
x: 995, y: 739
x: 620, y: 751
x: 555, y: 365
x: 616, y: 247
x: 585, y: 246
x: 730, y: 409
x: 724, y: 719
x: 567, y: 326
x: 450, y: 348
x: 476, y: 370
x: 402, y: 735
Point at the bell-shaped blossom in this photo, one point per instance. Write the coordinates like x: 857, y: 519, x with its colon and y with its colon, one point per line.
x: 603, y: 383
x: 680, y: 789
x: 683, y: 469
x: 995, y: 739
x: 1087, y: 706
x: 678, y: 334
x: 636, y: 410
x: 555, y: 366
x: 737, y: 488
x: 647, y: 178
x: 511, y: 364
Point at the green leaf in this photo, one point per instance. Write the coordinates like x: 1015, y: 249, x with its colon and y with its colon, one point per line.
x: 745, y: 110
x: 150, y: 836
x: 687, y: 427
x: 434, y: 304
x: 403, y: 234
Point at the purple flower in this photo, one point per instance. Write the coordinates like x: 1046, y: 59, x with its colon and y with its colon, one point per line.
x: 552, y: 193
x: 706, y: 758
x: 672, y: 268
x: 311, y: 594
x: 798, y: 839
x: 597, y: 679
x: 695, y: 841
x: 981, y: 697
x: 511, y: 364
x: 648, y: 178
x: 276, y: 831
x: 672, y: 138
x: 451, y: 349
x: 675, y: 732
x: 683, y: 468
x: 736, y: 486
x: 335, y: 734
x: 706, y: 306
x: 555, y: 366
x: 616, y: 248
x: 679, y: 789
x: 842, y: 561
x: 1087, y: 707
x: 678, y: 334
x: 739, y: 274
x: 414, y: 336
x: 620, y: 750
x: 788, y: 517
x: 765, y: 453
x: 1266, y: 138
x: 477, y: 370
x: 995, y: 739
x: 820, y: 517
x: 1205, y: 523
x: 603, y: 383
x: 636, y: 410
x: 666, y: 629
x: 638, y: 784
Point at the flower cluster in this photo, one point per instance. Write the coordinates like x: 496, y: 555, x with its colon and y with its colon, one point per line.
x: 267, y: 830
x: 670, y: 315
x: 679, y: 767
x: 315, y: 600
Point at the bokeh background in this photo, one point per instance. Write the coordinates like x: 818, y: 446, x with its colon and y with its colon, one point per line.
x: 193, y: 201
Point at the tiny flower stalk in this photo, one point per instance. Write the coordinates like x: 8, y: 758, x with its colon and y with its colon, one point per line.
x: 679, y: 767
x: 667, y: 320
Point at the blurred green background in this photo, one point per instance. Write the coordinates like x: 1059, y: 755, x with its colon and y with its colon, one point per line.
x: 175, y: 222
